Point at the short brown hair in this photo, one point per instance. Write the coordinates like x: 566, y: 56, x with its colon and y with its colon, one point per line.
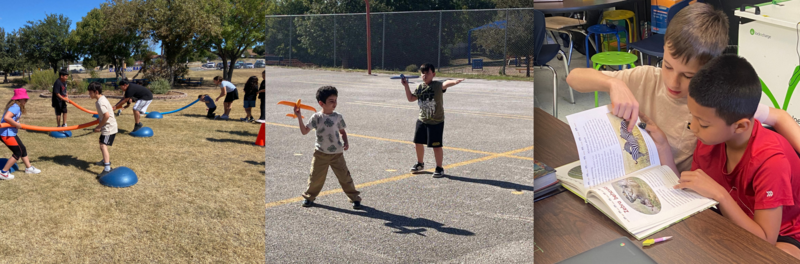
x: 217, y: 78
x: 697, y: 32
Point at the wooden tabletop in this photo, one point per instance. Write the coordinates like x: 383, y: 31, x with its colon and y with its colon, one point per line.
x: 570, y: 6
x: 566, y: 226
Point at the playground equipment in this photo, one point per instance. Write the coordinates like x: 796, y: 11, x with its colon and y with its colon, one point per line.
x: 297, y: 104
x: 157, y: 115
x: 13, y: 167
x: 56, y: 132
x: 143, y: 132
x: 119, y: 177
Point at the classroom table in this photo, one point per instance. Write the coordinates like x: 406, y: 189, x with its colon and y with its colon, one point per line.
x: 565, y: 226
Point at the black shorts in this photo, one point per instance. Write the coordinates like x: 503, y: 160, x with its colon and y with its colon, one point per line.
x: 61, y: 108
x: 232, y: 96
x: 429, y: 134
x: 790, y: 240
x: 107, y: 140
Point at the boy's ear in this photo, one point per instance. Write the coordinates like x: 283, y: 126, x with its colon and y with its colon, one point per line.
x: 320, y: 103
x: 742, y: 125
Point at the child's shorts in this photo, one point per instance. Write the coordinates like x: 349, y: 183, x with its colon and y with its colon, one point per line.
x: 141, y: 105
x: 429, y: 134
x: 790, y: 240
x: 61, y: 108
x: 18, y: 150
x: 107, y: 140
x: 249, y: 104
x: 232, y: 96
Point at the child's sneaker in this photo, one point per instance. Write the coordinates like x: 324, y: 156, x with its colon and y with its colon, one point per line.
x: 244, y: 119
x: 306, y: 203
x: 357, y: 205
x: 418, y: 167
x: 6, y: 175
x: 33, y: 170
x: 251, y: 120
x: 103, y: 173
x: 439, y: 172
x: 100, y: 163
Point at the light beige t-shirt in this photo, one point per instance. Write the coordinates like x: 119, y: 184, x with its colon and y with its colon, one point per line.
x: 103, y: 107
x: 670, y: 115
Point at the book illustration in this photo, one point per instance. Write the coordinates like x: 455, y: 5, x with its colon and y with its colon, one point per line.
x: 576, y: 173
x: 638, y: 195
x: 635, y: 152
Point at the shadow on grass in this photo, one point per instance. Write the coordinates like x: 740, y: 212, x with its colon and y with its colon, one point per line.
x: 194, y: 115
x: 225, y: 140
x: 240, y: 133
x: 253, y: 162
x: 501, y: 184
x: 403, y: 224
x: 68, y: 160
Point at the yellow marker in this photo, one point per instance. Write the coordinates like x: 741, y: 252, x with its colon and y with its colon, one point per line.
x: 517, y: 192
x: 653, y: 241
x: 390, y: 170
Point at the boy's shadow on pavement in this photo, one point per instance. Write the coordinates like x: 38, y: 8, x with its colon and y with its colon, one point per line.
x: 68, y: 160
x: 399, y: 222
x: 501, y: 184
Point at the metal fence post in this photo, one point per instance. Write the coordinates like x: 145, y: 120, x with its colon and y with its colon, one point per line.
x: 290, y: 41
x: 505, y: 44
x: 383, y: 42
x: 334, y: 40
x: 439, y: 58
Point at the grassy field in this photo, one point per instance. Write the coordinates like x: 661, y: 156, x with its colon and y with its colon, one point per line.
x: 200, y: 195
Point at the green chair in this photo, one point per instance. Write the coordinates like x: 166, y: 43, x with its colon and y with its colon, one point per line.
x: 612, y: 58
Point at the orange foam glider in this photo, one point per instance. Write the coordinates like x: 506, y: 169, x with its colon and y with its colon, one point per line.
x: 48, y: 129
x: 297, y: 104
x: 84, y: 109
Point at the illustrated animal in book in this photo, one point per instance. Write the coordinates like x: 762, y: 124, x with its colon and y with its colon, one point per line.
x: 631, y: 144
x: 638, y: 195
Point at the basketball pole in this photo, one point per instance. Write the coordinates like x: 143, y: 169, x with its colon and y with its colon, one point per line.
x: 369, y: 37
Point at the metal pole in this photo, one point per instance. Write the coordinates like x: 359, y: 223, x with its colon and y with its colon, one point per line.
x: 290, y: 41
x: 334, y: 41
x: 505, y: 44
x: 369, y: 45
x: 383, y: 43
x: 439, y: 58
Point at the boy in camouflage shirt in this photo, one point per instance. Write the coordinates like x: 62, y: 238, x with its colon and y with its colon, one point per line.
x: 329, y: 150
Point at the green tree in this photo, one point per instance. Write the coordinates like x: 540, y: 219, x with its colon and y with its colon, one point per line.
x: 105, y: 43
x: 11, y: 57
x: 517, y: 43
x: 242, y: 23
x: 260, y: 49
x: 46, y: 41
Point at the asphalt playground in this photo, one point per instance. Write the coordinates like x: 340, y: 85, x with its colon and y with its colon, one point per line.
x: 481, y: 212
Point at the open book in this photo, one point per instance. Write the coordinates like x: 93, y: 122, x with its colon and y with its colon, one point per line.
x: 619, y: 172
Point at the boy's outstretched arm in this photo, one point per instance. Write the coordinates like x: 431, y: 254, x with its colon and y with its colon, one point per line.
x: 409, y: 95
x: 662, y: 144
x: 624, y: 104
x: 303, y: 129
x: 450, y: 83
x: 784, y: 124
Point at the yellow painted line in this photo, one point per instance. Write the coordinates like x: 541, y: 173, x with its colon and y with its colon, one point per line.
x: 399, y: 177
x: 490, y: 94
x: 449, y: 111
x: 412, y: 143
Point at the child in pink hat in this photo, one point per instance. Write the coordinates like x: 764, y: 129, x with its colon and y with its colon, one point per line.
x: 13, y: 111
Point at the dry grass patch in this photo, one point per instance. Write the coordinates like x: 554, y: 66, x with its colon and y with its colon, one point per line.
x: 200, y: 195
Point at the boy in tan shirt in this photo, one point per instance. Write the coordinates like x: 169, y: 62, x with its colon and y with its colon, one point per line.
x: 694, y: 36
x: 107, y: 126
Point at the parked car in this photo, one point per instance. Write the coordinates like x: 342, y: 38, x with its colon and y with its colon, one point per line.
x: 219, y: 65
x: 238, y: 65
x: 260, y: 64
x: 248, y: 65
x: 210, y: 65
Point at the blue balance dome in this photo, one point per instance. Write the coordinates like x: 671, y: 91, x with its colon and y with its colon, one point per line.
x: 3, y: 164
x: 95, y: 116
x: 60, y: 134
x: 143, y: 132
x: 119, y: 177
x: 154, y: 115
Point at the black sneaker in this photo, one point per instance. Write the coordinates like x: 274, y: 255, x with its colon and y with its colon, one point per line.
x: 137, y: 127
x: 439, y: 172
x: 307, y: 203
x: 103, y: 173
x: 418, y: 167
x: 357, y: 205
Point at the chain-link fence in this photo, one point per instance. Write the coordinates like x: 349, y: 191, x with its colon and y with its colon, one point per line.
x: 490, y: 42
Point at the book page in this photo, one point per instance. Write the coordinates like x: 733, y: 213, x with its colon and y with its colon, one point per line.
x: 571, y: 176
x: 647, y: 198
x: 607, y: 150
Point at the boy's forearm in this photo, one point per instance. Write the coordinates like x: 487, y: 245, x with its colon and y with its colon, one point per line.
x: 344, y: 136
x: 409, y: 96
x: 303, y: 128
x: 586, y: 80
x: 665, y: 157
x: 785, y: 125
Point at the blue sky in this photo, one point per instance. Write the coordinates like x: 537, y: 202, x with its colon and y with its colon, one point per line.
x: 15, y: 14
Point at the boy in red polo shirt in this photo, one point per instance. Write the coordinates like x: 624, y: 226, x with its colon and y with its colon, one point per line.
x: 751, y: 171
